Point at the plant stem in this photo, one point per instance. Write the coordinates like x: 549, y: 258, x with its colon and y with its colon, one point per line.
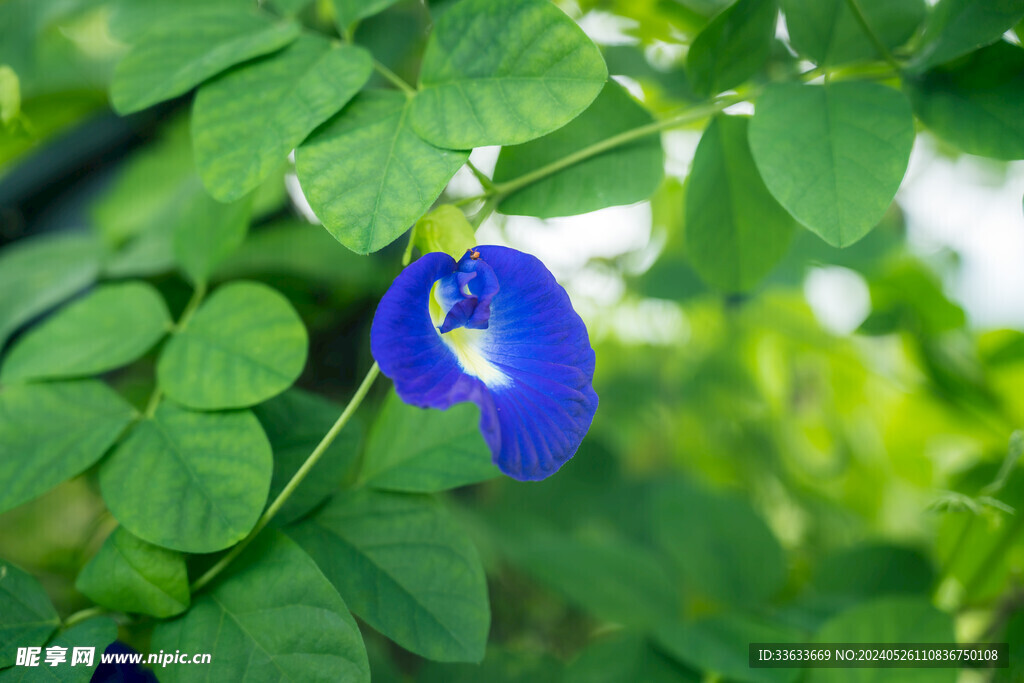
x: 82, y: 615
x: 688, y: 115
x: 485, y: 182
x: 293, y: 484
x: 190, y: 308
x: 883, y: 51
x: 394, y: 78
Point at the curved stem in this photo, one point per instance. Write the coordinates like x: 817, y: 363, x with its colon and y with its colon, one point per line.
x: 394, y: 78
x: 293, y: 484
x: 883, y: 51
x: 688, y: 115
x: 82, y: 615
x: 190, y: 308
x: 481, y: 177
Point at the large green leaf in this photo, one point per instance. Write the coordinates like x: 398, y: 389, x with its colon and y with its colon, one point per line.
x: 412, y: 449
x: 40, y: 272
x: 957, y: 27
x: 735, y: 230
x: 150, y: 188
x: 112, y: 326
x: 723, y: 549
x: 827, y: 31
x: 868, y: 571
x: 27, y: 618
x: 96, y: 633
x: 368, y: 176
x: 131, y: 19
x: 246, y: 121
x: 833, y: 155
x: 207, y: 231
x: 274, y: 618
x: 347, y: 12
x: 733, y: 47
x: 611, y: 578
x: 405, y: 568
x: 504, y: 72
x: 626, y: 174
x: 977, y: 105
x: 887, y: 620
x: 625, y: 656
x: 173, y: 57
x: 720, y: 644
x: 243, y: 346
x: 51, y: 432
x: 190, y: 481
x: 130, y: 575
x: 295, y: 422
x: 500, y: 666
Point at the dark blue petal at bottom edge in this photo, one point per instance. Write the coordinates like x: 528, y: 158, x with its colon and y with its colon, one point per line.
x: 530, y: 371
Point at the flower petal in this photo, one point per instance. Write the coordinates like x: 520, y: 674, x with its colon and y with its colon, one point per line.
x: 529, y: 371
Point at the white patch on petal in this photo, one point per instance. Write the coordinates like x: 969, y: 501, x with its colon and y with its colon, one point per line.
x: 468, y: 346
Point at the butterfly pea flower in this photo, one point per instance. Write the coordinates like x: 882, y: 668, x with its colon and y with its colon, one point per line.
x: 496, y: 329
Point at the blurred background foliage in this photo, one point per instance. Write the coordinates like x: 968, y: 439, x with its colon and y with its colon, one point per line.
x: 752, y: 474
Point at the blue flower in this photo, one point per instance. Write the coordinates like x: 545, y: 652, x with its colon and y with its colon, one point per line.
x: 495, y: 329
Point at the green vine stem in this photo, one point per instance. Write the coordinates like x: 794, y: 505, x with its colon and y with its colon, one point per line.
x: 394, y: 78
x: 293, y: 484
x: 883, y: 51
x: 82, y: 615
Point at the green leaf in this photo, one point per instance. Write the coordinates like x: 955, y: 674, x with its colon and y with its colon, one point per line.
x: 869, y: 571
x: 722, y: 547
x: 957, y: 27
x: 736, y: 232
x: 189, y: 481
x: 833, y: 155
x: 10, y: 96
x: 501, y: 73
x: 887, y: 620
x: 40, y: 272
x: 173, y: 57
x: 290, y: 7
x: 977, y: 105
x: 51, y: 432
x: 244, y: 345
x: 445, y: 229
x: 405, y: 568
x: 733, y: 47
x: 347, y: 12
x: 207, y: 231
x: 295, y: 248
x: 412, y: 449
x: 626, y: 174
x: 246, y: 121
x: 112, y: 326
x: 27, y: 618
x: 130, y: 575
x: 96, y: 633
x: 131, y: 19
x: 150, y: 188
x: 609, y: 577
x: 828, y: 33
x: 274, y: 618
x: 368, y: 176
x: 499, y: 667
x: 720, y: 644
x: 295, y: 422
x: 622, y: 657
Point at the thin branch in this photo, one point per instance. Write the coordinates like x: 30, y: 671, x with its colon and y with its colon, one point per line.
x: 293, y: 484
x: 394, y: 78
x: 883, y: 51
